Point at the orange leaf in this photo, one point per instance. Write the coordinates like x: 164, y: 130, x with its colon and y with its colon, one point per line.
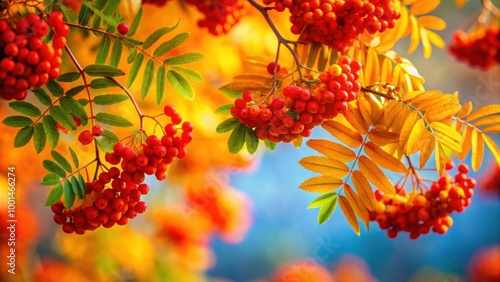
x: 493, y: 147
x: 466, y: 110
x: 364, y: 190
x: 441, y: 159
x: 484, y: 111
x: 332, y: 150
x: 373, y: 173
x: 495, y: 120
x: 423, y: 7
x: 407, y: 128
x: 350, y: 137
x: 353, y: 116
x: 432, y: 22
x: 438, y: 114
x: 357, y: 205
x: 349, y: 214
x: 493, y: 128
x: 321, y: 184
x: 466, y: 142
x: 477, y: 150
x: 325, y: 166
x: 415, y: 137
x: 415, y: 36
x: 384, y: 159
x: 382, y: 137
x: 428, y: 145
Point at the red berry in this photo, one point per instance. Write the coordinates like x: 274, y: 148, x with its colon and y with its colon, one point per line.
x: 122, y: 28
x: 85, y: 137
x: 271, y: 66
x: 169, y: 110
x: 97, y: 131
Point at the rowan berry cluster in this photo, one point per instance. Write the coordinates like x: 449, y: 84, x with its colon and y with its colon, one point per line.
x: 115, y: 196
x: 482, y: 52
x: 420, y: 213
x: 26, y: 61
x: 337, y: 23
x: 303, y: 107
x: 220, y: 15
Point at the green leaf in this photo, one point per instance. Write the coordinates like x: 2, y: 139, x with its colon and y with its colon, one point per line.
x: 51, y: 131
x: 112, y: 119
x: 237, y: 139
x: 69, y: 195
x: 135, y: 23
x: 17, y: 121
x: 101, y: 83
x: 107, y: 141
x: 155, y: 36
x: 111, y: 6
x: 55, y: 88
x: 84, y: 15
x: 75, y: 91
x: 191, y: 74
x: 50, y: 179
x: 54, y: 195
x: 42, y: 96
x: 224, y: 109
x: 131, y: 56
x: 327, y: 210
x: 69, y: 76
x: 103, y: 70
x: 74, y: 157
x: 107, y: 19
x: 116, y: 53
x: 25, y: 108
x: 149, y: 73
x: 69, y: 14
x: 270, y: 145
x: 227, y: 125
x: 183, y: 59
x: 169, y: 45
x: 23, y: 136
x: 230, y: 93
x: 84, y: 102
x: 103, y: 50
x: 313, y: 54
x: 321, y: 200
x: 134, y: 69
x: 62, y: 161
x: 39, y: 138
x: 130, y: 40
x: 251, y: 140
x: 110, y: 99
x: 180, y: 84
x: 62, y: 116
x: 82, y: 185
x: 74, y: 108
x: 76, y: 188
x: 160, y: 84
x: 53, y: 167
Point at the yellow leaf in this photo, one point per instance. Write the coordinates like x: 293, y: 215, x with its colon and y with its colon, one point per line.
x: 325, y: 166
x: 349, y: 214
x: 384, y: 159
x: 477, y: 150
x: 350, y: 137
x: 391, y: 112
x: 371, y: 69
x: 297, y: 142
x: 446, y: 130
x: 488, y: 120
x: 321, y: 184
x: 365, y: 110
x: 399, y: 121
x: 357, y: 205
x: 415, y: 137
x: 373, y: 173
x: 353, y: 116
x: 244, y: 85
x: 438, y: 114
x: 428, y: 145
x: 435, y: 39
x: 415, y: 36
x: 332, y: 150
x: 484, y: 111
x: 431, y: 22
x: 386, y: 70
x: 466, y: 143
x: 396, y: 75
x: 448, y: 142
x: 419, y: 97
x: 466, y: 110
x: 408, y: 125
x: 423, y: 7
x: 406, y: 82
x: 364, y: 190
x: 382, y: 137
x: 441, y: 159
x: 426, y: 44
x: 435, y: 102
x: 493, y: 128
x: 402, y: 23
x: 493, y: 147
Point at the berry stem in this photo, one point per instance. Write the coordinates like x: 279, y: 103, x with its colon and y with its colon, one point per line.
x: 84, y: 77
x: 415, y: 179
x: 384, y: 95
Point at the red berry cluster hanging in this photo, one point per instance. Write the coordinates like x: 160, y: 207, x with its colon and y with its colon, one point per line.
x: 420, y: 213
x: 303, y: 107
x: 219, y: 15
x: 337, y: 23
x: 482, y: 52
x: 115, y: 197
x: 25, y: 60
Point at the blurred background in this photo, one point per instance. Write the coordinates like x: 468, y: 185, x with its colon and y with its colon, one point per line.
x: 223, y: 217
